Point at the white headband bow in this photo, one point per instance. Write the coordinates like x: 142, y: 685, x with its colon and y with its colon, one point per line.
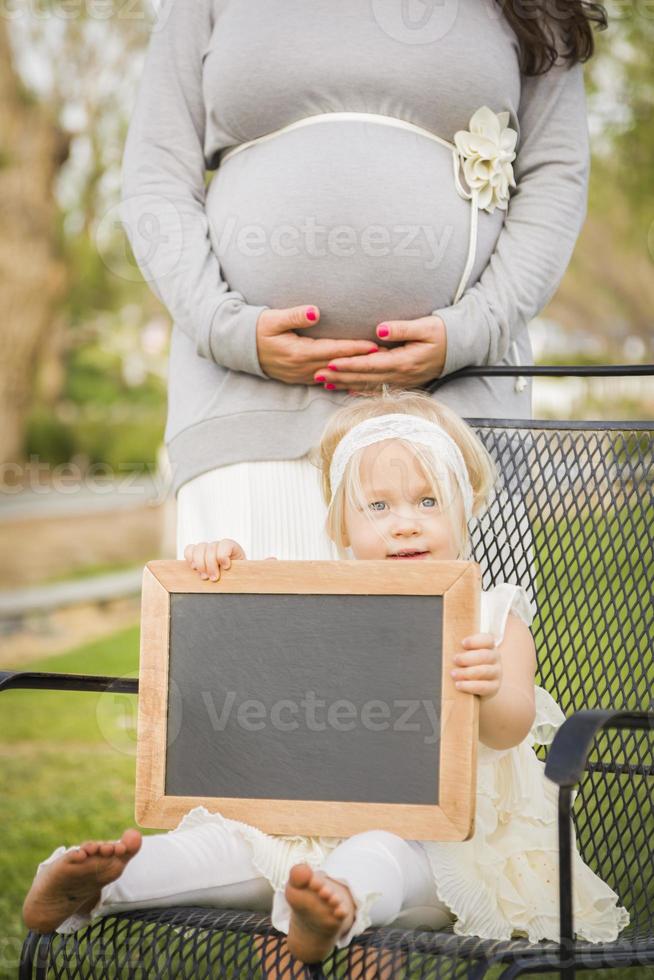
x: 403, y: 426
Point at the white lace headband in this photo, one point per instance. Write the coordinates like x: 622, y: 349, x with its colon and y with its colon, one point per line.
x: 415, y: 429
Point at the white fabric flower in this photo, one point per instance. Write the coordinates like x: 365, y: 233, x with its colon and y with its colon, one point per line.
x: 486, y: 151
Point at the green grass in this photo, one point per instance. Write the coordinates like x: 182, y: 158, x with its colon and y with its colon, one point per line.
x: 67, y: 766
x: 613, y: 659
x: 66, y: 774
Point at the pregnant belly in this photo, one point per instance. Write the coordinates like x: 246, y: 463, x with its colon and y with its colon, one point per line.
x: 359, y: 218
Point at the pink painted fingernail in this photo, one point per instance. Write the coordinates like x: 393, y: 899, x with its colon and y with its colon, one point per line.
x: 375, y: 350
x: 383, y: 330
x: 330, y: 387
x: 319, y: 377
x: 311, y: 313
x: 332, y: 367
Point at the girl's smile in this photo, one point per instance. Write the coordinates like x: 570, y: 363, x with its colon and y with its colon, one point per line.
x: 415, y: 555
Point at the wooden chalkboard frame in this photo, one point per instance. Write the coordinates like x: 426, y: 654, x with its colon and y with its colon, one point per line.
x: 458, y: 582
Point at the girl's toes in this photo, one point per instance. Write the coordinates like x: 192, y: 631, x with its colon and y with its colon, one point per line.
x: 132, y: 840
x: 299, y: 875
x: 90, y: 847
x: 78, y: 856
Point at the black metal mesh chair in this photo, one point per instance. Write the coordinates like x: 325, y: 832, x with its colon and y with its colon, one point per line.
x: 578, y: 515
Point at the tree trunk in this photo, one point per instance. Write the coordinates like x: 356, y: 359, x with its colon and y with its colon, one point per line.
x: 33, y: 278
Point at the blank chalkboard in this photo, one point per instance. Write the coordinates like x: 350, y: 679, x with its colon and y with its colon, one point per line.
x: 309, y: 697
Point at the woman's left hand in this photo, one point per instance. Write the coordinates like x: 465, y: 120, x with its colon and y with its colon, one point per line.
x: 478, y: 670
x: 421, y: 358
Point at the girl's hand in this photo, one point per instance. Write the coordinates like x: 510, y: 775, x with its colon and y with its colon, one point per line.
x: 420, y: 359
x: 478, y: 670
x: 208, y: 557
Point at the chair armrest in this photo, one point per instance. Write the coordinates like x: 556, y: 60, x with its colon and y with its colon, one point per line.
x: 66, y: 682
x: 572, y: 743
x: 565, y: 765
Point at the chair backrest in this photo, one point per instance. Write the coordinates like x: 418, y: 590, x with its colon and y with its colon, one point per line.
x: 574, y: 524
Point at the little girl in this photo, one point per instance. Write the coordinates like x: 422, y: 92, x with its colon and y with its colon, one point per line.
x: 402, y: 477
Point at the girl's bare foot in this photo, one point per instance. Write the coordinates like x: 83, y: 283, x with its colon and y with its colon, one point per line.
x: 369, y: 964
x: 364, y: 964
x: 73, y: 882
x: 322, y: 910
x: 277, y: 962
x: 374, y: 964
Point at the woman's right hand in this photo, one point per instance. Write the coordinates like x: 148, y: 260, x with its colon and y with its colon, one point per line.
x: 292, y: 359
x: 208, y: 557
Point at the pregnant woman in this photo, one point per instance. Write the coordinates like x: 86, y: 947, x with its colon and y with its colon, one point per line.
x: 397, y: 189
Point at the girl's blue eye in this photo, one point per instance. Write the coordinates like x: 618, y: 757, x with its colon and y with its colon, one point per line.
x: 375, y: 502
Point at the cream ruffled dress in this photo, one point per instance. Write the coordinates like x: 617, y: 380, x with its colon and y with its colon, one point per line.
x: 503, y: 880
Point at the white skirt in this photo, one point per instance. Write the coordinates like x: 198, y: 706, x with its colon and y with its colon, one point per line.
x: 271, y: 507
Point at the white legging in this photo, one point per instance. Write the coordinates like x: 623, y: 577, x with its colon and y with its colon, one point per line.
x: 390, y: 879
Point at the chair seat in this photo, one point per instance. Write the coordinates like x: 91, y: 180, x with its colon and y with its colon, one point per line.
x: 197, y: 943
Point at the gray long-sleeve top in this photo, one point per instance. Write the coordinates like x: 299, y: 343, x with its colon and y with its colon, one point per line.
x: 357, y: 217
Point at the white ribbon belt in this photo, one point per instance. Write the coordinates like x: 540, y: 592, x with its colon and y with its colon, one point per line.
x: 467, y: 195
x: 400, y: 124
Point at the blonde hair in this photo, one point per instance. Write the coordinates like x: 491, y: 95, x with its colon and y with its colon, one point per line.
x: 480, y: 465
